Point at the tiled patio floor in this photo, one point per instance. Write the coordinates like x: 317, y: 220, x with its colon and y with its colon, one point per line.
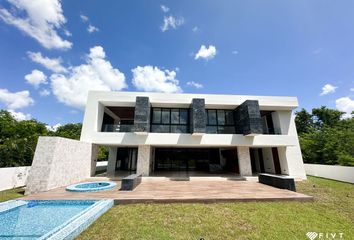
x: 207, y: 191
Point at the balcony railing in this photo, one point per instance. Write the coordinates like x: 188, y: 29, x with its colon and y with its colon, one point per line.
x: 118, y: 128
x: 272, y: 131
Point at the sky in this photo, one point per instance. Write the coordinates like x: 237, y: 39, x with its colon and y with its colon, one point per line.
x: 52, y: 52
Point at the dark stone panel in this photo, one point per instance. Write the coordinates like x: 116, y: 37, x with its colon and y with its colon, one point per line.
x: 198, y: 116
x: 277, y: 181
x: 248, y: 118
x: 142, y: 114
x: 130, y: 182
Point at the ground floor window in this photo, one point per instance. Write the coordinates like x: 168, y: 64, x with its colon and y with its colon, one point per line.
x: 127, y: 159
x: 211, y: 160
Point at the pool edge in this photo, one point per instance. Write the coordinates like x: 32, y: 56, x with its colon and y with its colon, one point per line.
x: 77, y: 224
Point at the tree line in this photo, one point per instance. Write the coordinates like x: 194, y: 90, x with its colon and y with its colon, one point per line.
x: 325, y: 137
x: 18, y: 139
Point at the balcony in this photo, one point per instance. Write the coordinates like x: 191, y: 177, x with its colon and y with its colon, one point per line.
x: 271, y: 131
x: 118, y: 128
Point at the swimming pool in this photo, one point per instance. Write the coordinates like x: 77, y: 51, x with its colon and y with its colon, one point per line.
x: 52, y: 219
x: 91, y: 186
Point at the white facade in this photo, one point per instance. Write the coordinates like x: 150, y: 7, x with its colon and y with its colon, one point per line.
x: 285, y: 141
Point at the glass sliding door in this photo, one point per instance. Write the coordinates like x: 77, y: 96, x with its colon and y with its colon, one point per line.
x: 126, y: 160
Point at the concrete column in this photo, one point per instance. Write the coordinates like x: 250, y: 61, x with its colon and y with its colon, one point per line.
x: 94, y: 159
x: 112, y: 159
x: 244, y: 161
x: 143, y: 162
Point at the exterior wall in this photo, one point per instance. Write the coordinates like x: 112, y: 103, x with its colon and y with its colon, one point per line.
x: 268, y: 160
x: 112, y: 159
x: 198, y: 116
x: 287, y: 143
x: 13, y: 177
x: 142, y: 114
x: 244, y: 161
x: 248, y: 118
x: 340, y: 173
x: 144, y: 159
x: 59, y: 162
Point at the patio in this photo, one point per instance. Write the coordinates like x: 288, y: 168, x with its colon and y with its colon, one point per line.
x: 168, y: 191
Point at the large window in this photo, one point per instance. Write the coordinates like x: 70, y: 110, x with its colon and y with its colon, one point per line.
x: 220, y: 121
x: 170, y: 120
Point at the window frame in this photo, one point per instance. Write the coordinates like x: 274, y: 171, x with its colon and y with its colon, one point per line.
x: 217, y: 125
x: 170, y: 124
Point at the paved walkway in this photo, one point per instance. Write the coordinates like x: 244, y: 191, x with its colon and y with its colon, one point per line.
x: 207, y: 191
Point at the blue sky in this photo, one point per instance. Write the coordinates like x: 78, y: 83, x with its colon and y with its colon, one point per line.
x: 49, y: 59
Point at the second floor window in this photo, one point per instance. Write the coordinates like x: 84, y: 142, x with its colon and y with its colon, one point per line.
x: 220, y: 121
x: 170, y: 120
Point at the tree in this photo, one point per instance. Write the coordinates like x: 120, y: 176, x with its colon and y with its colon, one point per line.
x: 303, y: 121
x: 71, y: 130
x: 325, y: 137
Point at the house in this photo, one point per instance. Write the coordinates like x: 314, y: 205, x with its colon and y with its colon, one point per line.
x: 158, y: 134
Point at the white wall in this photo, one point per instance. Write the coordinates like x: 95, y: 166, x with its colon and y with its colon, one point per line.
x: 59, y: 162
x: 340, y: 173
x: 13, y: 177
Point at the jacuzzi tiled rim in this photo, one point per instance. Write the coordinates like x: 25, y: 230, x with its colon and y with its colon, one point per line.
x: 73, y: 226
x: 91, y: 186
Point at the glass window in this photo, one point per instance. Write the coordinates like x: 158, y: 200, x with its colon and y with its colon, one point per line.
x: 175, y: 116
x: 160, y: 128
x: 165, y: 116
x: 212, y: 129
x: 183, y: 114
x: 211, y: 117
x: 226, y: 129
x: 178, y: 129
x: 229, y: 114
x: 221, y: 117
x: 156, y: 115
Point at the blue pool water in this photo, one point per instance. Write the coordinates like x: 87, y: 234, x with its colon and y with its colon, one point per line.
x: 34, y: 219
x: 91, y: 186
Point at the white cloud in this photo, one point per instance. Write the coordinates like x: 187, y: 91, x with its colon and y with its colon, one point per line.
x: 164, y: 8
x: 38, y: 19
x: 328, y: 88
x: 53, y: 128
x: 234, y: 52
x: 84, y: 18
x: 53, y: 64
x: 195, y: 84
x: 92, y: 29
x: 345, y: 104
x: 19, y: 116
x: 317, y: 51
x: 171, y: 22
x: 195, y: 29
x: 352, y: 89
x: 206, y: 53
x: 15, y: 100
x: 36, y: 78
x: 67, y: 33
x: 96, y: 74
x: 149, y: 78
x: 44, y: 92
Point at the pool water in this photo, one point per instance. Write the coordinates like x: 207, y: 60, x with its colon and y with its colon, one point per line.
x: 34, y: 219
x: 91, y: 186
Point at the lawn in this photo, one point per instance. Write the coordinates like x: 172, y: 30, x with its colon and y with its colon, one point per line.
x: 331, y: 211
x: 11, y: 194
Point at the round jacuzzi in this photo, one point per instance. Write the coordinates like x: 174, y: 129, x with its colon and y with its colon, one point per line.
x: 91, y: 186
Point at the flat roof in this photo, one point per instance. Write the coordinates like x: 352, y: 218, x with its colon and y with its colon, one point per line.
x: 115, y: 98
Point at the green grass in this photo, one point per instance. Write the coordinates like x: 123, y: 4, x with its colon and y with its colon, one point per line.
x: 331, y: 211
x: 11, y: 194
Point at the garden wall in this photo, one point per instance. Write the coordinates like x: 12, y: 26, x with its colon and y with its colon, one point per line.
x: 340, y: 173
x: 13, y: 177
